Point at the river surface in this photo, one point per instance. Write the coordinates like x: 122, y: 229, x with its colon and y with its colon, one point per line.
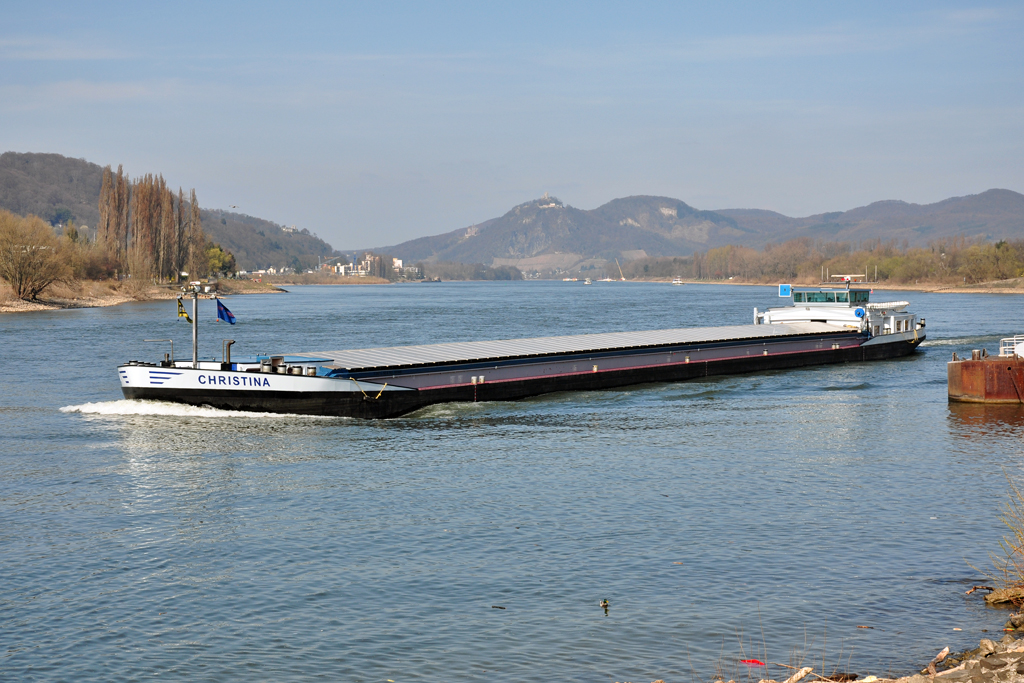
x: 760, y: 516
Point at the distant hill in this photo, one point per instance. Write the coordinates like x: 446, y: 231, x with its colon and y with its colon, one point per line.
x: 57, y: 188
x: 257, y: 243
x: 992, y: 215
x: 545, y: 233
x: 51, y: 186
x: 540, y: 234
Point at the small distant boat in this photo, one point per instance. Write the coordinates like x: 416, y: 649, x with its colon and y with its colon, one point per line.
x: 587, y: 282
x: 569, y: 279
x: 678, y: 281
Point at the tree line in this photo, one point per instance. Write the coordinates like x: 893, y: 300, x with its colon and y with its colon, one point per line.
x: 449, y: 270
x: 148, y: 232
x: 145, y: 233
x: 948, y: 261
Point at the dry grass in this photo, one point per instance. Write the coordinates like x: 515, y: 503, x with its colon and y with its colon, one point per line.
x: 135, y: 289
x: 733, y: 669
x: 246, y: 287
x: 1009, y: 568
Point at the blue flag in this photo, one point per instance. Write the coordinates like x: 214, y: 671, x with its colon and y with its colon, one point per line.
x: 224, y: 314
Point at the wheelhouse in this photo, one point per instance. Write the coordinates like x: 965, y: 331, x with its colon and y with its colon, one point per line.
x: 844, y: 305
x: 830, y: 297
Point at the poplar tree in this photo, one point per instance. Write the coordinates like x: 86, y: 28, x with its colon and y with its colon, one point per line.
x: 105, y: 230
x: 122, y: 195
x: 146, y: 232
x: 180, y: 237
x: 138, y: 212
x: 167, y: 238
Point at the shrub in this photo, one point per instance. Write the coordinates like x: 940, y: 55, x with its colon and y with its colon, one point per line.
x: 30, y: 259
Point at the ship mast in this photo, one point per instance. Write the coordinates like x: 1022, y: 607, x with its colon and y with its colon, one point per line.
x: 195, y: 325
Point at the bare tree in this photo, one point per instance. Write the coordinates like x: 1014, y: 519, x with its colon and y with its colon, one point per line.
x: 166, y: 268
x: 139, y: 233
x: 105, y: 230
x: 122, y: 196
x: 180, y: 237
x: 28, y: 255
x: 146, y: 232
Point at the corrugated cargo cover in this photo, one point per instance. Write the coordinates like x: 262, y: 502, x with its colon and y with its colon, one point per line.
x: 505, y: 349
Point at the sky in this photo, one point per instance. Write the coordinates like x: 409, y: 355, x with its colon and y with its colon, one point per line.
x: 373, y: 123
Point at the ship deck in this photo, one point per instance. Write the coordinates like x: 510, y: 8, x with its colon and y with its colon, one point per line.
x: 432, y: 355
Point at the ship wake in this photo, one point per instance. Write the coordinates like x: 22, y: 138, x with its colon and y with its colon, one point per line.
x: 165, y: 408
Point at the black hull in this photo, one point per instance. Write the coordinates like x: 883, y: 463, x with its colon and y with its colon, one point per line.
x: 396, y: 403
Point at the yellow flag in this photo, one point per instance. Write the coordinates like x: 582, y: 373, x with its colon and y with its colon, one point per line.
x: 182, y: 313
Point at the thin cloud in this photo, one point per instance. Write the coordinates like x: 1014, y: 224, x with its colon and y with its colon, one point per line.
x: 31, y: 48
x: 837, y: 39
x: 81, y: 92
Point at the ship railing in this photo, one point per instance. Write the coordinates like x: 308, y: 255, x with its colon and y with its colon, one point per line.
x: 1008, y: 344
x: 895, y: 306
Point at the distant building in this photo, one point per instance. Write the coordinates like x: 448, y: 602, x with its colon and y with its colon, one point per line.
x: 396, y: 263
x: 289, y: 228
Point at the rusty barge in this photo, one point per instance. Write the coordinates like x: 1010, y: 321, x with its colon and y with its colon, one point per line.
x: 989, y: 379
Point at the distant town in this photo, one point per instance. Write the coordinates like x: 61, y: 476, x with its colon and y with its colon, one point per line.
x: 370, y: 265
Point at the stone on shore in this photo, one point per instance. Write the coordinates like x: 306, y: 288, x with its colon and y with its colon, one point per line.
x: 1002, y: 596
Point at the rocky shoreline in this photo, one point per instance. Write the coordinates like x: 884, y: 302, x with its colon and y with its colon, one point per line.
x: 992, y: 661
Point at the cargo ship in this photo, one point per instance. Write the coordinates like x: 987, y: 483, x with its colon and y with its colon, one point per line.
x: 822, y: 325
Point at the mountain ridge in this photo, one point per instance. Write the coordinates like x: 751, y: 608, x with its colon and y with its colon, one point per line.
x: 545, y: 231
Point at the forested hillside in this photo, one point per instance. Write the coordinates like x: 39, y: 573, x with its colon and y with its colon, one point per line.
x: 258, y: 243
x: 58, y: 189
x: 51, y: 186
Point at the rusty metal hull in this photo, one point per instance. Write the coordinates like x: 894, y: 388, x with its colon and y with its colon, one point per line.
x: 995, y: 379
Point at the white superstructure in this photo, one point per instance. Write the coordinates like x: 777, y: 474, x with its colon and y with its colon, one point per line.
x: 848, y: 306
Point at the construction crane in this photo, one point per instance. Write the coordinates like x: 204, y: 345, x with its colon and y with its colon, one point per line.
x: 622, y: 277
x: 321, y: 262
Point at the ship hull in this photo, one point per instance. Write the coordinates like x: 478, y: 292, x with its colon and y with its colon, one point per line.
x: 993, y: 379
x: 391, y: 395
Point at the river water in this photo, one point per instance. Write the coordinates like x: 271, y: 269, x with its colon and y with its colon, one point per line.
x: 762, y: 516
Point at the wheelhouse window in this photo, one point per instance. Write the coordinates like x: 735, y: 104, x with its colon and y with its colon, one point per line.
x: 842, y: 297
x: 798, y: 297
x: 816, y: 297
x: 860, y: 297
